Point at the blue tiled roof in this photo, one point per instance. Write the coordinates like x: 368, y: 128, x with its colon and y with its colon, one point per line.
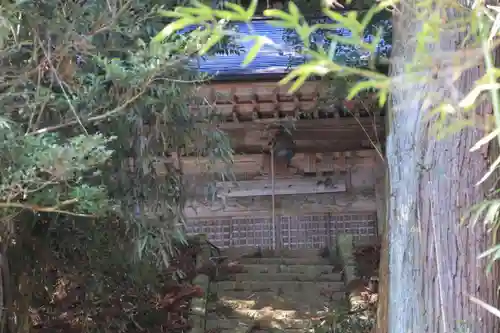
x: 276, y: 59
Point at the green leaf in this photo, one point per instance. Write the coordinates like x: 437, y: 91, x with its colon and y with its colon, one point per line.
x: 304, y: 31
x: 319, y: 68
x: 236, y: 8
x: 298, y: 83
x: 352, y: 16
x: 350, y: 22
x: 382, y: 97
x: 289, y: 77
x: 228, y: 15
x: 359, y: 87
x: 491, y: 169
x: 201, y: 6
x: 294, y: 11
x: 367, y: 18
x: 214, y: 38
x: 491, y: 309
x: 494, y: 258
x: 190, y: 11
x: 254, y: 50
x: 173, y: 27
x: 472, y: 96
x: 276, y: 13
x: 332, y: 49
x: 486, y: 139
x: 171, y: 13
x: 251, y: 10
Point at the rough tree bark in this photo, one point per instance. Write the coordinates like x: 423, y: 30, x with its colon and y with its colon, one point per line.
x: 433, y: 264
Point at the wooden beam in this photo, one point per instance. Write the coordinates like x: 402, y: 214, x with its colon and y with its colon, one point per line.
x: 326, y: 135
x: 257, y: 164
x: 337, y: 203
x: 340, y: 124
x: 307, y: 146
x: 256, y: 188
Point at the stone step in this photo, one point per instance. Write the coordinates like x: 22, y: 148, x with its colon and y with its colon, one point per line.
x: 315, y: 261
x: 238, y: 252
x: 264, y: 313
x: 289, y: 269
x: 290, y: 300
x: 311, y: 304
x: 239, y: 323
x: 245, y: 329
x: 311, y: 276
x: 279, y: 286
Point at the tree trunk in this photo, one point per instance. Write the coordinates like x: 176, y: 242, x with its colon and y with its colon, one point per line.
x: 433, y: 265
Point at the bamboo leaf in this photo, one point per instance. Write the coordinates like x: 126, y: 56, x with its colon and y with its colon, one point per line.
x: 307, y: 70
x: 294, y: 11
x: 236, y: 8
x: 254, y: 50
x: 250, y: 12
x: 489, y: 252
x: 493, y: 253
x: 279, y: 14
x: 492, y: 213
x: 359, y: 87
x: 471, y: 97
x: 289, y: 77
x: 228, y: 15
x: 173, y: 27
x: 495, y: 28
x: 453, y: 127
x: 190, y: 11
x: 486, y: 139
x: 382, y: 97
x: 214, y: 38
x: 346, y: 22
x: 332, y: 49
x: 199, y: 4
x: 369, y: 16
x: 304, y: 31
x: 171, y: 13
x: 298, y: 83
x: 486, y: 306
x: 493, y: 259
x: 491, y: 169
x: 336, y: 16
x: 476, y: 211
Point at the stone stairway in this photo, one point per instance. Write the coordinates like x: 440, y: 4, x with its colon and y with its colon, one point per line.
x: 275, y: 291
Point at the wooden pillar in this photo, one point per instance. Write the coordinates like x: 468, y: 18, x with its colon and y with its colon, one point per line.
x: 347, y: 164
x: 380, y: 192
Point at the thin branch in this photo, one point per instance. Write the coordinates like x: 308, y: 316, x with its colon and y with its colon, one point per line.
x: 51, y: 209
x: 92, y: 119
x: 61, y: 85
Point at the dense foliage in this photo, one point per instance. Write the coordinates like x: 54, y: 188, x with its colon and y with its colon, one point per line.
x: 91, y: 110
